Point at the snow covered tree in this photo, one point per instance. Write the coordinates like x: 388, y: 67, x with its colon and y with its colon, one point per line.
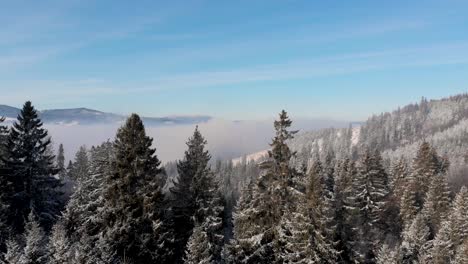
x: 442, y: 250
x: 415, y: 240
x: 35, y: 243
x: 133, y: 198
x: 30, y: 169
x: 59, y: 248
x: 437, y: 202
x: 199, y: 248
x: 370, y: 190
x: 399, y: 177
x: 426, y: 165
x: 408, y: 208
x: 387, y: 255
x: 343, y: 203
x: 13, y: 253
x: 262, y: 207
x: 462, y: 254
x: 80, y: 168
x: 459, y: 217
x: 62, y: 171
x: 6, y: 191
x: 195, y: 196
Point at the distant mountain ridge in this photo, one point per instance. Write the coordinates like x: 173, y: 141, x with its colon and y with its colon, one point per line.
x: 86, y: 116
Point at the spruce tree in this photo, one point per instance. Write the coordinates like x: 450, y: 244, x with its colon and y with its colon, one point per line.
x: 199, y: 248
x: 62, y: 172
x: 195, y: 197
x: 59, y: 247
x: 6, y: 191
x: 262, y: 207
x: 459, y: 217
x: 30, y: 169
x: 415, y: 240
x: 426, y: 165
x: 370, y: 189
x: 437, y: 203
x: 80, y: 169
x: 442, y: 250
x: 132, y: 205
x: 35, y: 243
x: 387, y: 255
x: 462, y: 254
x: 13, y: 252
x: 81, y: 217
x: 408, y: 207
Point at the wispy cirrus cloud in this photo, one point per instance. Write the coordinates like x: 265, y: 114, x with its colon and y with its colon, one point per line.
x: 351, y: 63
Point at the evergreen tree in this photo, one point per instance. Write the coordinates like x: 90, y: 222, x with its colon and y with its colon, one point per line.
x: 262, y: 207
x: 426, y: 165
x: 408, y: 207
x: 370, y: 187
x: 6, y: 191
x: 30, y: 170
x: 387, y: 255
x: 462, y: 254
x: 399, y: 177
x: 35, y: 243
x: 415, y: 240
x: 80, y: 221
x: 459, y: 218
x: 437, y: 203
x: 442, y: 250
x: 195, y: 196
x: 133, y: 199
x: 59, y: 247
x: 62, y: 172
x: 13, y: 253
x: 343, y: 203
x: 199, y: 248
x: 80, y: 169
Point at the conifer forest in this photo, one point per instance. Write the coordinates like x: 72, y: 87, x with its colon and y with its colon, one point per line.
x: 391, y: 190
x: 233, y: 132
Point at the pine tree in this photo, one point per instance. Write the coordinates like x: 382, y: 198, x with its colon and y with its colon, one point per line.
x: 437, y: 203
x: 81, y: 217
x: 459, y: 217
x: 442, y: 250
x: 399, y: 177
x: 80, y: 169
x: 199, y: 247
x: 195, y: 196
x: 133, y: 199
x: 62, y: 172
x: 462, y: 254
x: 426, y: 165
x: 6, y: 191
x: 59, y: 247
x: 408, y: 207
x: 343, y: 204
x: 415, y: 239
x: 13, y: 253
x: 386, y: 255
x: 262, y: 207
x: 31, y: 170
x: 370, y: 192
x: 35, y: 243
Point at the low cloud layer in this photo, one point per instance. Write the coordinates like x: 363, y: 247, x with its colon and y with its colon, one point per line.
x: 226, y: 139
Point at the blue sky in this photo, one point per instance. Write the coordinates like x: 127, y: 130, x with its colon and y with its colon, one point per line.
x: 232, y: 59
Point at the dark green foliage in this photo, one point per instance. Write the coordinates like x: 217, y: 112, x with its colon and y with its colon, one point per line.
x: 195, y: 197
x: 30, y: 170
x: 133, y: 199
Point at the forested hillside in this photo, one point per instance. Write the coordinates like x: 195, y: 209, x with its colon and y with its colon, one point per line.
x: 442, y: 123
x: 390, y: 191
